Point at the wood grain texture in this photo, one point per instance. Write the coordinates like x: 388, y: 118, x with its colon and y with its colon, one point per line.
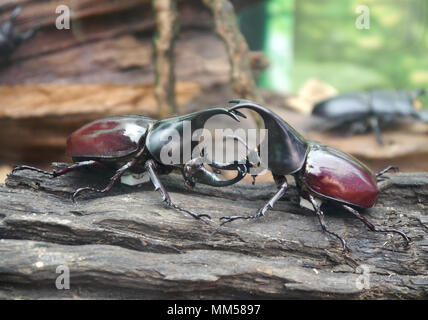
x: 128, y: 245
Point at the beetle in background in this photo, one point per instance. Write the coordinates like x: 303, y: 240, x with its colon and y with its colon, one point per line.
x: 360, y: 112
x: 10, y: 39
x: 322, y: 173
x: 134, y: 144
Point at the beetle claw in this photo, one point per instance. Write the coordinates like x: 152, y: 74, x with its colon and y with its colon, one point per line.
x: 228, y: 219
x: 239, y: 113
x: 80, y: 190
x: 194, y: 215
x: 233, y: 115
x: 19, y: 168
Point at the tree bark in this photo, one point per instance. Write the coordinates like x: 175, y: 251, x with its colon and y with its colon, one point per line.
x: 166, y: 32
x: 127, y: 244
x: 243, y: 82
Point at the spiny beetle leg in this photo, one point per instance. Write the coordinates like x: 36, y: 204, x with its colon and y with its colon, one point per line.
x: 372, y: 227
x: 320, y: 215
x: 150, y: 167
x: 19, y: 168
x: 113, y: 180
x: 57, y: 173
x: 189, y: 169
x: 387, y: 169
x: 374, y: 123
x: 269, y: 205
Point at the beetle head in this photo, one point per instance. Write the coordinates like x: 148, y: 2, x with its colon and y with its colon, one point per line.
x: 286, y: 148
x: 179, y: 134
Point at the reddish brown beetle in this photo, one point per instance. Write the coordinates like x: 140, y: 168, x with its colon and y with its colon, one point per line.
x: 134, y: 143
x: 322, y: 173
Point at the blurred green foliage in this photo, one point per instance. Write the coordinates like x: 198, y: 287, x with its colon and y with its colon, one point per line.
x: 325, y: 43
x: 392, y: 53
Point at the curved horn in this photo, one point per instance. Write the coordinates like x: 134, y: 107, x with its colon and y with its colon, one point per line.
x: 158, y: 136
x: 285, y: 146
x: 202, y: 175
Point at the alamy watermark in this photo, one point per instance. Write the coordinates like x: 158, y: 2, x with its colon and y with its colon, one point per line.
x: 63, y: 20
x: 363, y: 20
x: 214, y: 147
x: 62, y: 282
x: 363, y: 280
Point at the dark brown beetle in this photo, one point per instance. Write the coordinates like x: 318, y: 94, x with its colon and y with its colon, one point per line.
x: 322, y: 173
x: 361, y: 111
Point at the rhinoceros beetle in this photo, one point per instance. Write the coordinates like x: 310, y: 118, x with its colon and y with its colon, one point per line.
x: 359, y: 112
x: 134, y: 144
x: 322, y: 173
x: 10, y: 39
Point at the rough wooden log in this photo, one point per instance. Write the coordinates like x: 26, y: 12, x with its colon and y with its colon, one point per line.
x: 128, y: 245
x: 110, y: 42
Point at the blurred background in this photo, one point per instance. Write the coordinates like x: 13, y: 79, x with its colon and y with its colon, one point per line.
x: 319, y: 38
x: 299, y: 53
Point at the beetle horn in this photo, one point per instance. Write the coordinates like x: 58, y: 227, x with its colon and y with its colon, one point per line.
x: 285, y: 146
x: 202, y: 175
x: 170, y: 127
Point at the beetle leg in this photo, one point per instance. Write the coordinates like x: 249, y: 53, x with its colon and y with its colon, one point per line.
x: 57, y: 173
x: 371, y: 226
x: 389, y: 168
x: 150, y: 167
x: 24, y: 36
x: 113, y: 180
x: 356, y: 127
x: 189, y: 169
x: 282, y: 186
x: 374, y: 123
x: 15, y: 13
x: 19, y: 168
x: 320, y: 215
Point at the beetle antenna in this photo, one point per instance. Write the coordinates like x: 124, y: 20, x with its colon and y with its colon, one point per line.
x: 387, y: 169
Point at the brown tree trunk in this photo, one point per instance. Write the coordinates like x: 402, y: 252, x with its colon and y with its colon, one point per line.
x: 243, y: 82
x: 166, y: 32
